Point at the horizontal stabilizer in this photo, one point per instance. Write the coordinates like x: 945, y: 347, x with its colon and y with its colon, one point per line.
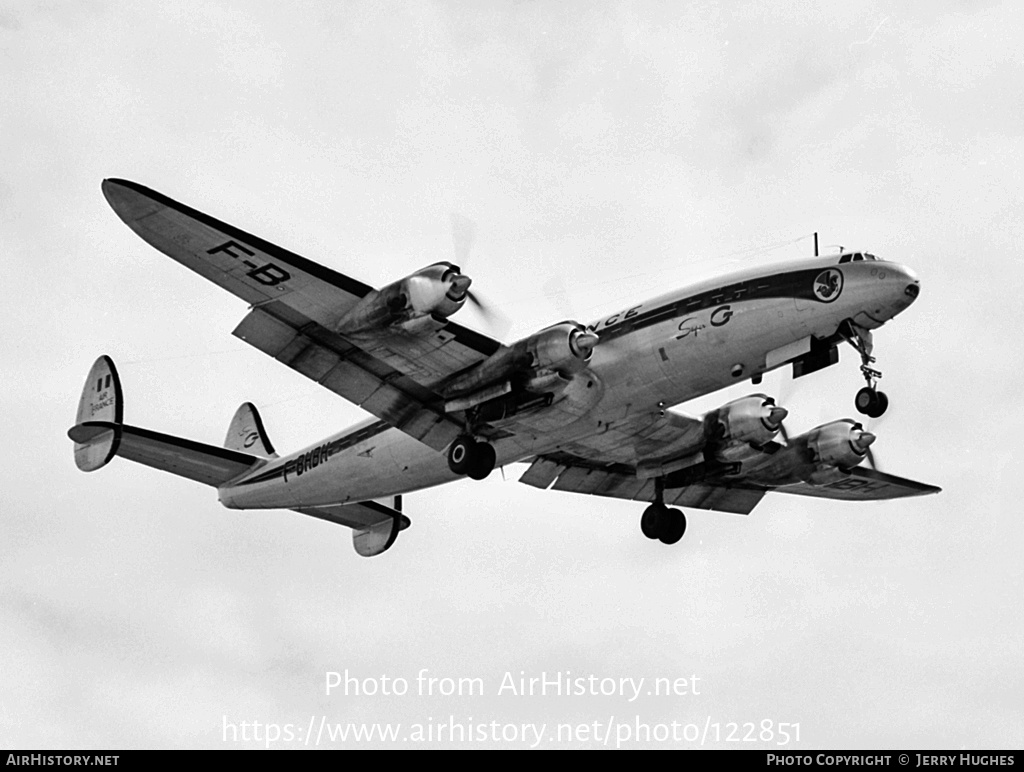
x: 207, y: 464
x: 375, y: 525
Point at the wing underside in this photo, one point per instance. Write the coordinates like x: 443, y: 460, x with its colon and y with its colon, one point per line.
x: 576, y: 475
x: 562, y: 472
x: 394, y: 372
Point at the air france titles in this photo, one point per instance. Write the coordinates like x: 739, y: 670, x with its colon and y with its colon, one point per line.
x: 564, y: 684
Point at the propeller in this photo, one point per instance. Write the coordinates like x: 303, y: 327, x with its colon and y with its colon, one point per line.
x: 776, y: 418
x: 463, y: 238
x: 862, y: 444
x: 875, y: 423
x: 555, y: 291
x: 786, y: 388
x: 870, y: 455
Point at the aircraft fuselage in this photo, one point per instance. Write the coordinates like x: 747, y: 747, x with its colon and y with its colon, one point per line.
x: 651, y: 355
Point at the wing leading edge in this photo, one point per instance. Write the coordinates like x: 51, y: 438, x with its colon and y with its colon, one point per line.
x: 296, y: 305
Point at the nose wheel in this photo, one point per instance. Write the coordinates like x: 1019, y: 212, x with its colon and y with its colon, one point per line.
x: 473, y: 459
x: 869, y: 400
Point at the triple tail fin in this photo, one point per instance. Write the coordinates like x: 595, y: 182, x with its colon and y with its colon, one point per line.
x: 247, y: 434
x: 101, y: 403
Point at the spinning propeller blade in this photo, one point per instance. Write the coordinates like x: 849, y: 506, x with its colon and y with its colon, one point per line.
x: 463, y: 238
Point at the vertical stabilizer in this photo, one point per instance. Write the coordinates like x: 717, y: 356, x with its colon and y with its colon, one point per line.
x: 246, y: 433
x: 101, y: 401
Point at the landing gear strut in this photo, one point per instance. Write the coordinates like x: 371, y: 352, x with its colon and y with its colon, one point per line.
x: 468, y: 457
x: 661, y: 523
x: 869, y: 400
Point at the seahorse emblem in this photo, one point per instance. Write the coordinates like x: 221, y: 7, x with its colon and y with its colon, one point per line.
x: 828, y: 285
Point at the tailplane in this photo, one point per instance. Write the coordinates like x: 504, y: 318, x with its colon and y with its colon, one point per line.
x: 100, y: 434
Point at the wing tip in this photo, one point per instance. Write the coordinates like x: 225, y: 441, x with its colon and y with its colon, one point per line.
x: 110, y: 184
x: 129, y: 200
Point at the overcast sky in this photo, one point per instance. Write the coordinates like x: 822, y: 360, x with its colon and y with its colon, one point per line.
x: 612, y: 150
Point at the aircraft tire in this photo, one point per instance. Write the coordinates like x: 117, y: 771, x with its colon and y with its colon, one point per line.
x: 882, y: 404
x: 482, y: 460
x: 651, y: 519
x: 673, y: 526
x: 866, y: 400
x: 461, y: 454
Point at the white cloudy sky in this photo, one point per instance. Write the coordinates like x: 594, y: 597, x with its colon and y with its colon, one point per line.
x: 613, y: 149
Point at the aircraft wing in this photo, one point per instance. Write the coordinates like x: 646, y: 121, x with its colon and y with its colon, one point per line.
x: 295, y: 305
x: 651, y: 444
x: 565, y: 472
x: 863, y: 484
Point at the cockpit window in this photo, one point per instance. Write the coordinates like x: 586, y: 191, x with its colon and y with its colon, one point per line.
x: 855, y: 257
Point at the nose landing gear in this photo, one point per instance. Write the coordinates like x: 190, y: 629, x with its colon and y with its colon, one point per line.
x: 869, y: 400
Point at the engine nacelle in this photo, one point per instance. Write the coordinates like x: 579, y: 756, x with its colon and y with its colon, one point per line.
x: 543, y: 363
x: 564, y: 348
x: 439, y: 290
x: 754, y: 419
x: 842, y: 444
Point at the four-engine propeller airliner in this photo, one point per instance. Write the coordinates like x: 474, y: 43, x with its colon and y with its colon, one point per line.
x: 587, y: 406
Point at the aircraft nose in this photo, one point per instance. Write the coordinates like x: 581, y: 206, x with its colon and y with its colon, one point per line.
x: 912, y: 284
x: 891, y: 289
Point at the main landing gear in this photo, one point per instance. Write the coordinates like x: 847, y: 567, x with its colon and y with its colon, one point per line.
x: 468, y: 457
x: 661, y: 523
x: 869, y: 400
